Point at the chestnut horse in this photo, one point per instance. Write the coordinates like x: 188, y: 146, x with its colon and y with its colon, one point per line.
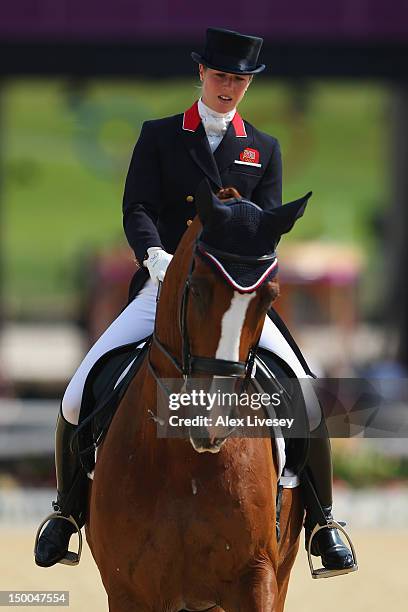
x: 171, y: 528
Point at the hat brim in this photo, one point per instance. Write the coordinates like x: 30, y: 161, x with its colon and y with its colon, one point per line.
x: 201, y: 60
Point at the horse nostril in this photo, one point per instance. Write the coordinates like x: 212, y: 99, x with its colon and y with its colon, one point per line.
x: 202, y: 445
x: 212, y: 439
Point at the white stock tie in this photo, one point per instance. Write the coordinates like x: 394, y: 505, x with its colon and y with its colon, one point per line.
x: 215, y: 124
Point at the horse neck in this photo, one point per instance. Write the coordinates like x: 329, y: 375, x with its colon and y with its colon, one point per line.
x: 167, y: 326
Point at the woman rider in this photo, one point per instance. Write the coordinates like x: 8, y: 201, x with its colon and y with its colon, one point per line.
x: 170, y: 159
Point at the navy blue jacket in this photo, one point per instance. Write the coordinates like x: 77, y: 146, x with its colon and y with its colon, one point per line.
x: 171, y: 158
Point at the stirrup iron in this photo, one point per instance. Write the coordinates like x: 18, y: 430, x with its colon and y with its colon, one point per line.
x: 324, y: 572
x: 71, y: 558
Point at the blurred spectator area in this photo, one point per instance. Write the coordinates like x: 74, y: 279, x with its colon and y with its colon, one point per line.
x: 319, y: 284
x: 319, y: 291
x: 318, y: 301
x: 105, y: 292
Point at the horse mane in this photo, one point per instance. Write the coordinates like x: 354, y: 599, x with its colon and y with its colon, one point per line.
x: 228, y: 193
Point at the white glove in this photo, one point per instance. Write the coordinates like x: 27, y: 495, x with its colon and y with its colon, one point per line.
x: 157, y: 263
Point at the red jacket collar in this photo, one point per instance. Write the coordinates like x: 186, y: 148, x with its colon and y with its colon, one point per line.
x: 192, y: 119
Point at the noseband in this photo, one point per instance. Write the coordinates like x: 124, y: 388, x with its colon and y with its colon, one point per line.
x: 192, y: 364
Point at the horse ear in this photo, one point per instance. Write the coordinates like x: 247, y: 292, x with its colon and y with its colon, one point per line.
x: 209, y: 208
x: 282, y: 219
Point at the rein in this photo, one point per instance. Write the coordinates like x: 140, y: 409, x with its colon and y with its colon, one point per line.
x: 192, y: 364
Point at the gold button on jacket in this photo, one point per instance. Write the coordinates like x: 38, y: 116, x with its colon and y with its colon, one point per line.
x: 189, y: 222
x: 190, y: 198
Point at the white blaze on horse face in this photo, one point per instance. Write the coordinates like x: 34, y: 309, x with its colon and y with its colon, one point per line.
x: 231, y: 326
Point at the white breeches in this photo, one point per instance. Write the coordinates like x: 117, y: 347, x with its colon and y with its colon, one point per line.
x: 136, y: 321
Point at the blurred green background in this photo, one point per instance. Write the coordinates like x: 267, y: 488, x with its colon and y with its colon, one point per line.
x: 66, y: 150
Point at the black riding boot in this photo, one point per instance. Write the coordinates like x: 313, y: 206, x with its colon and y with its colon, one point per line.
x: 327, y: 543
x: 72, y: 488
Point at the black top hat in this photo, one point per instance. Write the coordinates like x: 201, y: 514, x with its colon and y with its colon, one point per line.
x: 230, y: 52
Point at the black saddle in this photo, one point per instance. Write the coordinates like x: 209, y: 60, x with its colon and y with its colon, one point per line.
x: 273, y: 374
x: 104, y: 388
x: 112, y: 374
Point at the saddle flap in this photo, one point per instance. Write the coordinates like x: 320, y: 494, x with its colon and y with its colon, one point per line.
x: 274, y: 375
x: 104, y: 388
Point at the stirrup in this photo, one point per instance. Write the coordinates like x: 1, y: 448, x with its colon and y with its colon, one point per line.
x: 71, y: 558
x: 324, y: 572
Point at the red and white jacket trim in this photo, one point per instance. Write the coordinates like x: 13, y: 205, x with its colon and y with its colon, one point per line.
x: 192, y: 119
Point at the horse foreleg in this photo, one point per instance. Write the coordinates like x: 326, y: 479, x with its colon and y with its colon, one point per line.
x: 284, y: 574
x: 291, y: 527
x: 124, y: 601
x: 214, y: 609
x: 257, y: 591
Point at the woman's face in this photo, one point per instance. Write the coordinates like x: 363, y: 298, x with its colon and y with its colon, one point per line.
x: 222, y: 91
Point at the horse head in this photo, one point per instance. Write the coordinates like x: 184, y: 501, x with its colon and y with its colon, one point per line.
x: 225, y: 268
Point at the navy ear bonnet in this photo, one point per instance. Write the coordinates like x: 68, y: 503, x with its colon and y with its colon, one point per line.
x: 243, y: 232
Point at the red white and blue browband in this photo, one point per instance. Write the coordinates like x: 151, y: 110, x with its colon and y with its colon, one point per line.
x: 255, y: 264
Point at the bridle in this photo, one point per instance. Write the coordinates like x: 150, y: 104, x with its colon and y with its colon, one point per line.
x: 193, y: 364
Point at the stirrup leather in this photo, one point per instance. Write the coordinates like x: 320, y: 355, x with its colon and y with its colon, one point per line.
x: 71, y: 558
x: 324, y: 572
